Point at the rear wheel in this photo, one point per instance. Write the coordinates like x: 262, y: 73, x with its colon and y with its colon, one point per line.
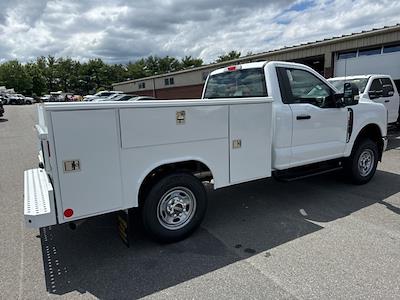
x: 174, y: 207
x: 361, y: 165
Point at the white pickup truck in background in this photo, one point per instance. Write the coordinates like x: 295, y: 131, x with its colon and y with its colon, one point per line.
x: 255, y: 120
x: 378, y: 88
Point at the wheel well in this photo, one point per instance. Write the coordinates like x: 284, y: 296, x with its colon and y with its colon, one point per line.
x: 373, y: 132
x: 198, y: 169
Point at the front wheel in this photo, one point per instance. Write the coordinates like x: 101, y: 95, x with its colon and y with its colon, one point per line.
x: 361, y: 165
x: 174, y: 207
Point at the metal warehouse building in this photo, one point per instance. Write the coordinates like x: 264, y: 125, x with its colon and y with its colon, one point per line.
x: 376, y: 51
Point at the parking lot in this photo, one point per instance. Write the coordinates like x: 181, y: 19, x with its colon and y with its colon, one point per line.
x: 316, y: 238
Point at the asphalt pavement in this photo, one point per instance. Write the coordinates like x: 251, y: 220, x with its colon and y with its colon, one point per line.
x: 318, y: 238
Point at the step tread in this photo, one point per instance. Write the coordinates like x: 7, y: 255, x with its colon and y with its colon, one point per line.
x: 36, y: 192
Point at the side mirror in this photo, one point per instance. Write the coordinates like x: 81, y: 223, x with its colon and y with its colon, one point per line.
x: 387, y: 91
x: 351, y: 94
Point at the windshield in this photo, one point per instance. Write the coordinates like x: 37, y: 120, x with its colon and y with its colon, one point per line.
x: 361, y: 83
x: 240, y: 83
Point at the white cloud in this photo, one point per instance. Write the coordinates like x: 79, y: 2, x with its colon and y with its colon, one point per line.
x: 121, y: 31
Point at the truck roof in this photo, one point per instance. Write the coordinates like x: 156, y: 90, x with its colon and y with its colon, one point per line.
x: 255, y: 65
x: 359, y: 76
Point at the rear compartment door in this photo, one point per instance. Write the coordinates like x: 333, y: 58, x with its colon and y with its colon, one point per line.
x: 87, y: 153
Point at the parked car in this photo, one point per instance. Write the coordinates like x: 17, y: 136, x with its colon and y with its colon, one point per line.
x: 254, y: 120
x: 45, y: 98
x: 29, y: 100
x: 1, y: 108
x: 114, y: 97
x: 16, y: 99
x: 102, y: 94
x: 4, y: 98
x: 142, y: 98
x: 378, y: 88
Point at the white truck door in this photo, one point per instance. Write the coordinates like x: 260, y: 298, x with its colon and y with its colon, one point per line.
x: 319, y: 127
x: 378, y: 92
x: 391, y: 99
x: 87, y: 152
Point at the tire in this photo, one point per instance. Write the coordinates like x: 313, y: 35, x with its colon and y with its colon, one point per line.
x: 174, y: 207
x: 28, y: 102
x: 361, y: 165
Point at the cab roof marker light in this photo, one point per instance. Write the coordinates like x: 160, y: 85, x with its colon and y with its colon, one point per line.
x: 233, y: 68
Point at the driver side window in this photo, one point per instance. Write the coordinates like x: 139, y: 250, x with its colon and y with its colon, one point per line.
x: 304, y: 87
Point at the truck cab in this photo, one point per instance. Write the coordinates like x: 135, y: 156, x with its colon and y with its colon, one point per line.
x: 310, y: 121
x: 377, y: 88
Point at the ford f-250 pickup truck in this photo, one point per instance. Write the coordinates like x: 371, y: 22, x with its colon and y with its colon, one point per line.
x: 254, y: 120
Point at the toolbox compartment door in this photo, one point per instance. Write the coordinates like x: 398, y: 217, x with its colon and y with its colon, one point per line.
x: 250, y: 135
x: 88, y: 161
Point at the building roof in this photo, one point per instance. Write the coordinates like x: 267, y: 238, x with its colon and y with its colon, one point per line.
x: 331, y: 40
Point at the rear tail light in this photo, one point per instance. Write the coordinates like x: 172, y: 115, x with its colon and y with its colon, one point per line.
x: 68, y: 213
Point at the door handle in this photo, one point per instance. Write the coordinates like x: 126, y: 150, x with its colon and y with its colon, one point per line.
x: 303, y: 117
x: 386, y: 101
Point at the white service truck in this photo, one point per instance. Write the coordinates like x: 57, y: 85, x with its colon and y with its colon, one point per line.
x: 377, y: 88
x: 253, y: 121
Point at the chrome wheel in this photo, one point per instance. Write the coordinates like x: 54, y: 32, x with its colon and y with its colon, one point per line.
x: 176, y: 208
x: 366, y: 162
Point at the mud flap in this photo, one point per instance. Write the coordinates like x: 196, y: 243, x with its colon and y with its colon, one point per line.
x: 124, y: 226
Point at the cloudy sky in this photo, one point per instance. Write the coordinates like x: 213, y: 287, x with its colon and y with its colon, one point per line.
x: 119, y: 31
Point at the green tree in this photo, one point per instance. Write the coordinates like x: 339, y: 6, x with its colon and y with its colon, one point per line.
x: 137, y: 69
x: 229, y: 56
x: 168, y: 64
x: 190, y: 62
x: 67, y: 74
x: 152, y: 66
x: 14, y: 75
x: 48, y: 74
x: 38, y: 79
x: 117, y: 73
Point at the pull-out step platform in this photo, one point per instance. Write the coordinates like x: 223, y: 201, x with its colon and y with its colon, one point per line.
x: 39, y: 208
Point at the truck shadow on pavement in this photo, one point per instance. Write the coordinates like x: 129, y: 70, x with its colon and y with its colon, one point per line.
x: 241, y: 221
x: 394, y: 137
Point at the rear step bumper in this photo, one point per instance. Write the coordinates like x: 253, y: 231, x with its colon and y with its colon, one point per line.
x: 39, y: 207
